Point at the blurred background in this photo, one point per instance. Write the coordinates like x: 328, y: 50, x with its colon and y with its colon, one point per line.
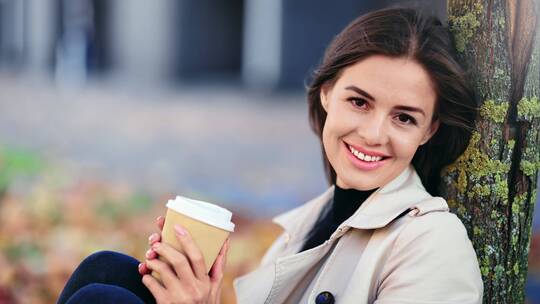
x: 108, y: 108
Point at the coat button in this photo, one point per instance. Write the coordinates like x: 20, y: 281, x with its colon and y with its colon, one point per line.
x: 324, y: 297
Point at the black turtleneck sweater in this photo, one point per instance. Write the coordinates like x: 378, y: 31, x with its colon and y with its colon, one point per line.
x: 343, y: 205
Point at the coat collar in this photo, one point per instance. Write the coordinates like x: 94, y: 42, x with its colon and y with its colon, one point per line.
x: 379, y: 209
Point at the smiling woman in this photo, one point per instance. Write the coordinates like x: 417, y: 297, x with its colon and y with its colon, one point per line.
x: 391, y: 108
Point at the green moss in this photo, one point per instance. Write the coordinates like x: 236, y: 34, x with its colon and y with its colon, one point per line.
x: 479, y: 190
x: 529, y: 108
x: 510, y: 144
x: 515, y: 208
x: 452, y: 204
x: 484, y: 270
x: 501, y: 189
x: 464, y: 27
x: 517, y: 213
x: 516, y: 268
x: 529, y: 168
x: 520, y: 198
x: 473, y: 165
x: 462, y: 182
x: 530, y: 161
x: 461, y: 211
x: 485, y: 255
x: 485, y: 264
x: 493, y: 111
x: 477, y: 231
x: 514, y: 240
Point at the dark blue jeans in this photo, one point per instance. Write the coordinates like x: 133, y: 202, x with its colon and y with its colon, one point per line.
x: 106, y: 277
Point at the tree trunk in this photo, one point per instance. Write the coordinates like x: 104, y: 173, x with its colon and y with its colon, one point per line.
x: 492, y: 186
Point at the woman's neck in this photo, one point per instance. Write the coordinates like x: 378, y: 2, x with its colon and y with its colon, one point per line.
x: 347, y: 201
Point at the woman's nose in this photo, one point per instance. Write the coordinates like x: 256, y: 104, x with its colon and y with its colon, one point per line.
x: 374, y: 131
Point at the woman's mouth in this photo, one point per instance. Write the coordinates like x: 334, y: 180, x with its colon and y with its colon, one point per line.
x: 364, y: 161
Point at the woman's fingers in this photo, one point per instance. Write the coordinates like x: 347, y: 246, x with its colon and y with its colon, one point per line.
x: 192, y: 252
x: 150, y: 254
x: 167, y: 275
x: 178, y: 261
x: 217, y: 270
x: 143, y: 269
x: 155, y: 287
x: 160, y: 221
x: 154, y: 237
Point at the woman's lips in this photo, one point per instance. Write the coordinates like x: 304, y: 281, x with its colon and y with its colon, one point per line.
x: 362, y: 164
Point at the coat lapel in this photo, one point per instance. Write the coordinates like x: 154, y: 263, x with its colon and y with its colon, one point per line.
x: 379, y: 209
x: 387, y: 203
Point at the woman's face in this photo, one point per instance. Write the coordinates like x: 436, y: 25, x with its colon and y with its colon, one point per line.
x: 378, y: 112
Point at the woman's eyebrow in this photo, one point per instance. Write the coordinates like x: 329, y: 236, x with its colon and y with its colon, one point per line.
x: 400, y: 107
x: 410, y: 109
x: 360, y: 91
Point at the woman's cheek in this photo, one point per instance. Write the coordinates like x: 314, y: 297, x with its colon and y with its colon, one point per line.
x: 406, y: 144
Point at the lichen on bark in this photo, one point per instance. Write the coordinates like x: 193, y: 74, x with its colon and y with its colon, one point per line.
x: 491, y: 185
x: 464, y: 26
x: 494, y: 111
x: 528, y: 108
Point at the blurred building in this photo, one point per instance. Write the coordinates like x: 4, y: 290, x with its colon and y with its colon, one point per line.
x: 258, y: 43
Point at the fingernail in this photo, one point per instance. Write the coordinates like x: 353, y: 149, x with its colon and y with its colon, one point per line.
x: 158, y: 218
x: 179, y: 230
x: 148, y: 253
x: 140, y: 266
x: 152, y: 238
x: 155, y: 246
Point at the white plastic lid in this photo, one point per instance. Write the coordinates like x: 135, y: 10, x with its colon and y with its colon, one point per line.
x: 205, y: 212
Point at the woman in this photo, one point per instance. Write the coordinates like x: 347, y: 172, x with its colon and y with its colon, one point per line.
x: 392, y: 108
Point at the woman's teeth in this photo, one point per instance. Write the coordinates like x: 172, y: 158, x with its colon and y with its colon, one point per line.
x: 363, y: 156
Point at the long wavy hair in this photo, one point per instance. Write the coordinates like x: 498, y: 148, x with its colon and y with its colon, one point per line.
x: 405, y: 32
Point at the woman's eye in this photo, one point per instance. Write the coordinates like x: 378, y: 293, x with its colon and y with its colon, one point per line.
x: 358, y: 102
x: 407, y: 119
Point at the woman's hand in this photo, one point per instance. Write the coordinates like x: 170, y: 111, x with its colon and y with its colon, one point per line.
x: 184, y: 276
x: 154, y: 237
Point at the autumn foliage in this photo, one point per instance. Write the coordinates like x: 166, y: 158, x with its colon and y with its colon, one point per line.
x: 50, y: 221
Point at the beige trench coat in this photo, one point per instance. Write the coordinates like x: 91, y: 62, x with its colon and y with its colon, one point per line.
x: 374, y: 256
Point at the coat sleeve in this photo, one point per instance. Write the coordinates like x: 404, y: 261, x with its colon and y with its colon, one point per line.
x: 432, y: 261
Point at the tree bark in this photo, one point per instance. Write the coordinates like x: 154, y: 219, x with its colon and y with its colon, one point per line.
x: 492, y: 186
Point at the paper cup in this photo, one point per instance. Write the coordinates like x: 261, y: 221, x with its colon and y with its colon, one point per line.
x: 209, y: 226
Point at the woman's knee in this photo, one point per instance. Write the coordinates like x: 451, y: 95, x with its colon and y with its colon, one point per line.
x: 104, y: 266
x: 103, y: 293
x: 107, y: 259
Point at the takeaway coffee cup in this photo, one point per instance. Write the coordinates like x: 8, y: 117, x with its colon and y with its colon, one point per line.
x: 209, y: 225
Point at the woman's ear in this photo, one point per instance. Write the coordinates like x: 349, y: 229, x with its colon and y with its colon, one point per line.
x: 323, y: 98
x: 430, y: 132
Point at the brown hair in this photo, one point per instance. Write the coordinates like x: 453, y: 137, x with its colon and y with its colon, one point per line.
x: 399, y: 32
